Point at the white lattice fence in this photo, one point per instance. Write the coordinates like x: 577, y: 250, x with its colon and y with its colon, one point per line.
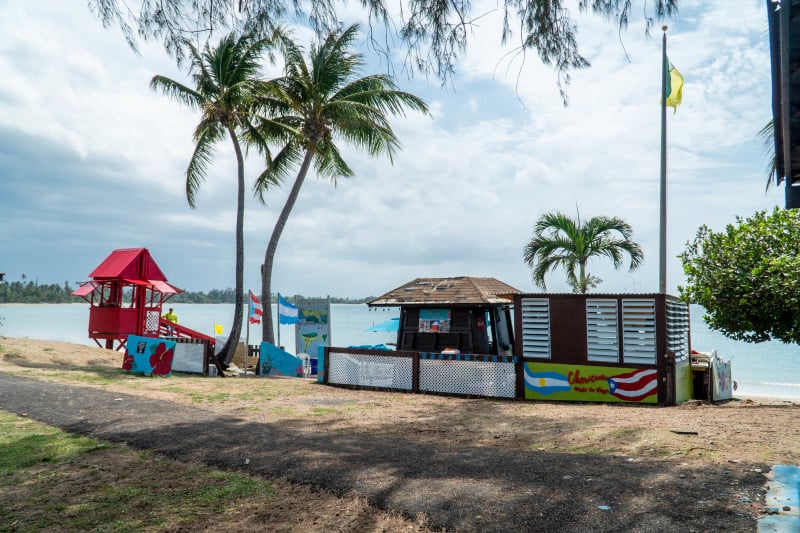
x: 370, y: 370
x: 467, y: 375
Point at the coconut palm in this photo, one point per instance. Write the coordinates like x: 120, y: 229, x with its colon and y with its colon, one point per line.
x: 316, y: 105
x: 225, y: 84
x: 558, y: 240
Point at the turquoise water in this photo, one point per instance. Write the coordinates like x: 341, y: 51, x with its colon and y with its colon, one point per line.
x: 69, y: 322
x: 766, y: 369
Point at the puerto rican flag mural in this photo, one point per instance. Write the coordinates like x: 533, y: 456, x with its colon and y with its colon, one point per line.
x: 634, y: 386
x: 256, y: 310
x: 590, y: 383
x: 546, y: 382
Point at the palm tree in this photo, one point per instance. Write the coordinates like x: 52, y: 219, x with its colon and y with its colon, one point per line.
x: 558, y: 240
x: 226, y: 83
x: 313, y: 106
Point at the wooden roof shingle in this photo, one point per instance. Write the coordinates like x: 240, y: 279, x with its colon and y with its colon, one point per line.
x: 462, y: 290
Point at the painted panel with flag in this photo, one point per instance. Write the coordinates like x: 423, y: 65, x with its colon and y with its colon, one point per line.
x: 287, y: 311
x: 256, y: 311
x: 674, y: 88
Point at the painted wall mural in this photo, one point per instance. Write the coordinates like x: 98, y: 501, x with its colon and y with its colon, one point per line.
x: 313, y: 329
x: 272, y: 361
x: 585, y: 383
x: 148, y: 355
x: 722, y: 380
x: 434, y: 320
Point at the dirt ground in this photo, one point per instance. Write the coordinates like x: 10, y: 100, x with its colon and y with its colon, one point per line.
x: 619, y: 463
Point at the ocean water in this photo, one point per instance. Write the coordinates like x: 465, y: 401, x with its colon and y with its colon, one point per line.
x: 767, y: 369
x: 69, y: 323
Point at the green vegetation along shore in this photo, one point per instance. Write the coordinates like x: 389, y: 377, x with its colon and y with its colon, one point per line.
x: 32, y: 292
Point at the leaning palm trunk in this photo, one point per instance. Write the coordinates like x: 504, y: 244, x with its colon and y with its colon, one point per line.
x: 227, y: 352
x: 268, y: 332
x: 310, y: 107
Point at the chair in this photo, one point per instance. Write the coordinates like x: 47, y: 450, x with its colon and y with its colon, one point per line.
x: 306, y: 359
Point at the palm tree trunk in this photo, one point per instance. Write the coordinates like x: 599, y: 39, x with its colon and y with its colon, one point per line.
x: 267, y: 332
x: 582, y: 288
x: 229, y: 349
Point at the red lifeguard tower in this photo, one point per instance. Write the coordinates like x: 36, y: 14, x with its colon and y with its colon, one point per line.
x: 126, y: 295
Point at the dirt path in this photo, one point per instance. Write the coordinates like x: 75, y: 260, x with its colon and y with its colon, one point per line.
x: 459, y: 486
x: 462, y: 464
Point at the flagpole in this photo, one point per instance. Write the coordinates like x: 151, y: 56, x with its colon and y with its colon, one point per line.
x: 247, y: 335
x: 662, y: 249
x: 279, y: 320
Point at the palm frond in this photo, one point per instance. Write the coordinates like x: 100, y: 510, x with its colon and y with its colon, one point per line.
x: 330, y: 164
x: 560, y: 241
x: 379, y: 92
x: 279, y: 170
x: 177, y: 91
x: 767, y: 137
x: 206, y: 135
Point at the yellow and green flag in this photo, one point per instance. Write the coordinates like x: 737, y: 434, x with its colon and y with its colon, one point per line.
x: 674, y: 87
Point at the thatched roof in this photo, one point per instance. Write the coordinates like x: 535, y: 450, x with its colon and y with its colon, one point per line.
x: 461, y: 290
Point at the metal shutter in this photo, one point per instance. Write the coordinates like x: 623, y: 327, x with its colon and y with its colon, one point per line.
x: 602, y: 333
x: 536, y: 327
x: 639, y: 331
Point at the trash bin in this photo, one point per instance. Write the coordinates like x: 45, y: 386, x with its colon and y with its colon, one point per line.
x: 313, y: 366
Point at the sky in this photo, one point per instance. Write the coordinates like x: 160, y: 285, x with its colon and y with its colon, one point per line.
x: 92, y: 159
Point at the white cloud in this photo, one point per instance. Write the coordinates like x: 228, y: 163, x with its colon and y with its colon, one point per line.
x: 108, y: 156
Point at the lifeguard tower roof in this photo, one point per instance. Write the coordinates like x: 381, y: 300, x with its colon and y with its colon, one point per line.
x: 129, y: 263
x: 462, y: 290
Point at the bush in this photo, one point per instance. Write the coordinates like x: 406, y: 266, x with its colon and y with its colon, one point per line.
x: 748, y: 277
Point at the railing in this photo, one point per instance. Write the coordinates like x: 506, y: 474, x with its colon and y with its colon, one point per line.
x: 456, y: 374
x: 170, y: 329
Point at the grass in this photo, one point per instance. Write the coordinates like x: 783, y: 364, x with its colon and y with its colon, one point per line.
x: 49, y: 477
x: 93, y: 379
x: 25, y: 444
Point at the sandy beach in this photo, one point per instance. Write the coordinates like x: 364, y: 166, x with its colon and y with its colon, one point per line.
x: 739, y: 439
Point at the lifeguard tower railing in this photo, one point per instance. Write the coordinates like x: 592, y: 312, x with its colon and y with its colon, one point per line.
x: 633, y: 349
x: 112, y: 322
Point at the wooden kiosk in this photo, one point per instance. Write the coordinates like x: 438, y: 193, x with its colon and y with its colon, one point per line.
x: 455, y: 337
x: 454, y: 315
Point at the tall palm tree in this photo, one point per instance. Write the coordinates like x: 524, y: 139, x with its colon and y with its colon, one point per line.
x: 225, y: 87
x: 313, y: 106
x: 558, y: 240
